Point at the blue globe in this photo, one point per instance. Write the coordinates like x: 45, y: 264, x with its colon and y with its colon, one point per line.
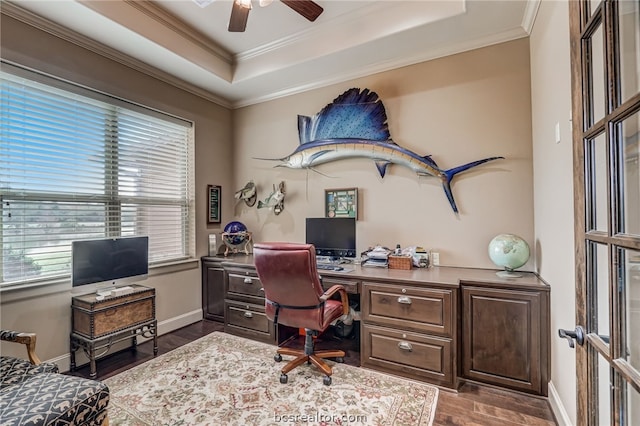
x: 234, y: 228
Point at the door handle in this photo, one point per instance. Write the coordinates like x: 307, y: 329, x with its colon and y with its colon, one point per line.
x: 577, y: 335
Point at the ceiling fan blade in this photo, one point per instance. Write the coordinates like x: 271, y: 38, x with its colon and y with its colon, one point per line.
x: 238, y: 19
x: 306, y: 8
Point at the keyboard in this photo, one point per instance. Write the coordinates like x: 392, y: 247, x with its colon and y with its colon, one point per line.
x: 329, y: 267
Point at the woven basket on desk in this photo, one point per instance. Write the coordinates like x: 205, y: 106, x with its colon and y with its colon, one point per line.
x: 400, y: 262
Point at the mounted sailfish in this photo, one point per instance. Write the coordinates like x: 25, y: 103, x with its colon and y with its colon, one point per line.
x: 354, y: 125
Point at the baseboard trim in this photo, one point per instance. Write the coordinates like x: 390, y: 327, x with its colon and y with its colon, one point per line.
x: 558, y: 407
x: 164, y: 327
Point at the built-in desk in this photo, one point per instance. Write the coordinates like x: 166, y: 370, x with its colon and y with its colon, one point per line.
x: 438, y: 324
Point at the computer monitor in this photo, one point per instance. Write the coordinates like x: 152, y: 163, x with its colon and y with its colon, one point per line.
x: 332, y: 237
x: 109, y: 261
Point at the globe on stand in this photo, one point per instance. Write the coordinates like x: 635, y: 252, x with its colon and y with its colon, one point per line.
x: 510, y: 252
x: 235, y: 236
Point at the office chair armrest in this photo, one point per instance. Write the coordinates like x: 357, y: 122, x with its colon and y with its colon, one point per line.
x: 344, y: 298
x: 27, y: 339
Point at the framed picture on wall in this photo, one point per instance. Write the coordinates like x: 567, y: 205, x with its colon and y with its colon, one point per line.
x: 214, y: 197
x: 341, y: 202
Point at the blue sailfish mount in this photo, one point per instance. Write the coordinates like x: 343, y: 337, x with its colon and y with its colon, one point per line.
x: 354, y: 125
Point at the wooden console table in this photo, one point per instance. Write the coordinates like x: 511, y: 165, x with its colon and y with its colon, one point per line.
x: 98, y: 324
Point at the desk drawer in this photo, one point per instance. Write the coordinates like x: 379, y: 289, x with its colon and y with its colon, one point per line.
x: 244, y: 284
x: 101, y: 322
x: 420, y: 309
x: 247, y: 316
x: 350, y: 286
x: 412, y: 355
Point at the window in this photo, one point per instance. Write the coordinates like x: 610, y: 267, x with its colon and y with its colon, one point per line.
x: 75, y: 164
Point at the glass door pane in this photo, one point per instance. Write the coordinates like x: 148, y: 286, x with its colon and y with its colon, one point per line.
x: 598, y: 282
x: 597, y: 192
x: 593, y: 5
x: 631, y: 406
x: 630, y: 174
x: 604, y: 394
x: 597, y: 82
x: 630, y: 259
x: 629, y: 22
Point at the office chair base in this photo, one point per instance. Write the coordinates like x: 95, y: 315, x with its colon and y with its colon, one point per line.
x: 317, y: 359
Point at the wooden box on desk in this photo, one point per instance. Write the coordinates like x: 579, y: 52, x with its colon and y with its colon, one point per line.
x: 96, y: 318
x: 400, y: 262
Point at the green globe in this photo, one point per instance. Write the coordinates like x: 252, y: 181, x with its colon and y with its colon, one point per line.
x: 510, y: 252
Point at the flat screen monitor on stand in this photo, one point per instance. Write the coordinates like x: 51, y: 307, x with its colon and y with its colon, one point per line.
x: 107, y: 264
x: 334, y: 238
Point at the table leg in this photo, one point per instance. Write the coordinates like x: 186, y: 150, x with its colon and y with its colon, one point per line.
x: 155, y: 338
x: 92, y: 362
x: 72, y: 354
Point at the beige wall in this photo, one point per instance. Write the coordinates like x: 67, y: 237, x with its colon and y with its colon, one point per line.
x: 178, y: 289
x: 553, y: 183
x: 459, y: 109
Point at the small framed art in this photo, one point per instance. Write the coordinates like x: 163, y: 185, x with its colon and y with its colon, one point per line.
x: 214, y: 197
x: 341, y: 202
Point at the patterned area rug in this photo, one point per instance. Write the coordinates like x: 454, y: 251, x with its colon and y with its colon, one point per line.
x: 221, y: 379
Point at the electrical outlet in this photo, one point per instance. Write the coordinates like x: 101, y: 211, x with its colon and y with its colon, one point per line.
x: 435, y: 258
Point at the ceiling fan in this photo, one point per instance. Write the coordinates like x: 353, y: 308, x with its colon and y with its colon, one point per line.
x: 240, y: 11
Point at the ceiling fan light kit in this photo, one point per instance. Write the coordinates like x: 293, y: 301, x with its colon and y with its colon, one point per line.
x: 240, y: 11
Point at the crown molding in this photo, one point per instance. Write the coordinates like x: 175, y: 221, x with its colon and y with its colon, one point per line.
x: 530, y: 14
x: 178, y: 26
x: 155, y: 25
x: 14, y: 11
x: 508, y: 35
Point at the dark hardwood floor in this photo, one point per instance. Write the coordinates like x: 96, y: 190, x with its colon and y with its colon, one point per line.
x: 473, y: 404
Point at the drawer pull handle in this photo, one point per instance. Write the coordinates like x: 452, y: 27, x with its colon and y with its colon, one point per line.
x: 247, y: 280
x: 405, y: 300
x: 110, y: 312
x: 405, y: 346
x: 248, y: 315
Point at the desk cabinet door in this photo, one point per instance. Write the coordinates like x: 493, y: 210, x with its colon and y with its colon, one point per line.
x: 212, y: 291
x: 501, y: 337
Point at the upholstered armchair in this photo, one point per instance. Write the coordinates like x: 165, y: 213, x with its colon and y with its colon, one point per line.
x: 294, y: 297
x: 34, y: 393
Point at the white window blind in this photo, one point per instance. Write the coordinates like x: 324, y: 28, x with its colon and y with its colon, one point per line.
x: 78, y: 167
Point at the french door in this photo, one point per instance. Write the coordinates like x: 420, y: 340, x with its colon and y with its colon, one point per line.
x: 605, y: 57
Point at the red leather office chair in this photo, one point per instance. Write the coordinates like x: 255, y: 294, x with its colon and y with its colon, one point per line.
x: 294, y: 297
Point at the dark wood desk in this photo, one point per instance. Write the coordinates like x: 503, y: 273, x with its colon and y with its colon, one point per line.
x: 438, y: 324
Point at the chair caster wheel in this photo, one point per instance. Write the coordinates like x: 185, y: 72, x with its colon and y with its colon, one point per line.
x: 326, y: 380
x: 339, y: 360
x: 277, y: 357
x: 283, y: 378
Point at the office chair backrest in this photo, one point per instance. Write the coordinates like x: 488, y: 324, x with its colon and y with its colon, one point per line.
x: 289, y: 276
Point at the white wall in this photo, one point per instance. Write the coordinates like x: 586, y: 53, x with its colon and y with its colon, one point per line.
x: 553, y: 190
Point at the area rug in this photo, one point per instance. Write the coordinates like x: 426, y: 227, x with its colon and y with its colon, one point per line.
x: 221, y: 379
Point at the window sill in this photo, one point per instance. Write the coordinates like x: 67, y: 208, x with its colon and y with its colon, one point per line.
x: 62, y: 284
